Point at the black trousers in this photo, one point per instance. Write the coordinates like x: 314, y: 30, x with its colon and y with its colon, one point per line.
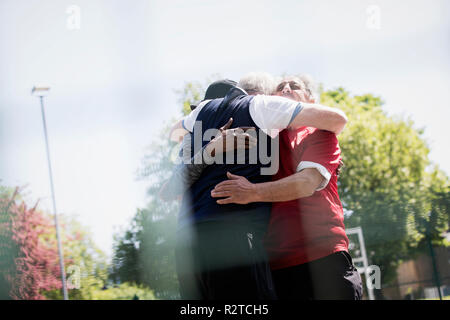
x: 222, y: 260
x: 333, y: 277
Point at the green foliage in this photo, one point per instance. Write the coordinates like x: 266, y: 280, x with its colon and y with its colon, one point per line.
x: 193, y: 92
x: 144, y: 253
x: 388, y: 186
x: 83, y: 253
x: 5, y: 193
x: 124, y: 291
x: 28, y: 262
x: 82, y: 258
x: 9, y: 249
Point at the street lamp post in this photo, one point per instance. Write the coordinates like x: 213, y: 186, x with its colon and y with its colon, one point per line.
x: 41, y: 92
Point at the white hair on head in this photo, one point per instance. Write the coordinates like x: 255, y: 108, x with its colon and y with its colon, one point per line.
x: 258, y: 83
x: 278, y: 80
x: 311, y: 86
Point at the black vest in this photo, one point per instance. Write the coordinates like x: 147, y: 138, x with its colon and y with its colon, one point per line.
x: 198, y: 205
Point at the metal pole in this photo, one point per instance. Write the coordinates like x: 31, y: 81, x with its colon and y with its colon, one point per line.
x: 60, y: 253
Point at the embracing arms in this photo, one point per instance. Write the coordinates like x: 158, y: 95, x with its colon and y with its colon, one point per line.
x: 273, y: 113
x: 186, y: 174
x: 239, y: 190
x: 317, y: 159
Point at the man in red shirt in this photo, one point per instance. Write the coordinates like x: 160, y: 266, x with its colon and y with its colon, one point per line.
x: 306, y: 240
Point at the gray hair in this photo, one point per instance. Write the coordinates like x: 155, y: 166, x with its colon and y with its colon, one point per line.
x: 258, y: 83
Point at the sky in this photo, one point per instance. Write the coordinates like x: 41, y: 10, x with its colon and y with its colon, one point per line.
x: 113, y: 67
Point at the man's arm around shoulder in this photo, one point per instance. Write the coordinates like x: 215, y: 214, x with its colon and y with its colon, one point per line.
x: 320, y: 117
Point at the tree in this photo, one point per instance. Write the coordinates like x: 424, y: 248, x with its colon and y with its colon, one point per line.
x: 387, y: 186
x: 144, y: 253
x: 8, y: 249
x: 124, y: 291
x: 86, y: 265
x: 28, y: 263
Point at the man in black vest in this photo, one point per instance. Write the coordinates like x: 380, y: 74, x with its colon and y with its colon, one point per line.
x: 219, y: 248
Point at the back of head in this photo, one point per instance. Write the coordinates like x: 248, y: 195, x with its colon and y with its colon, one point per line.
x: 257, y: 83
x: 217, y: 89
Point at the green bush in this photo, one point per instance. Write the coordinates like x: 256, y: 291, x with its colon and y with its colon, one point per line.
x: 124, y: 291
